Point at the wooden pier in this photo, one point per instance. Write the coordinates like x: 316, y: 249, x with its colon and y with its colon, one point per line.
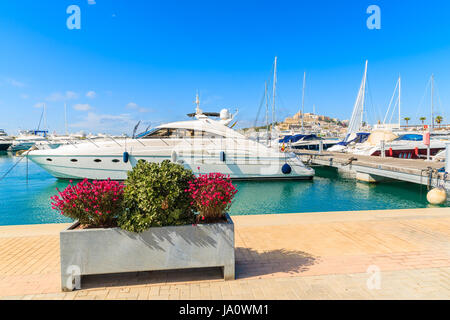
x: 376, y: 169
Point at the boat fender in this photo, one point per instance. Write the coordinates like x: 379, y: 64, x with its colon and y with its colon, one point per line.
x: 437, y: 196
x: 222, y: 156
x: 390, y: 152
x: 174, y: 156
x: 286, y: 168
x: 416, y: 151
x: 125, y: 157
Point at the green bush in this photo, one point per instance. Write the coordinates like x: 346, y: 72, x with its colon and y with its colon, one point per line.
x: 155, y: 195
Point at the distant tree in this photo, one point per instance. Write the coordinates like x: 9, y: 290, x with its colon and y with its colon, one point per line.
x: 407, y: 119
x: 438, y: 120
x: 422, y: 119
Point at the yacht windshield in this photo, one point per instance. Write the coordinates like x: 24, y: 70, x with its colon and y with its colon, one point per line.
x: 410, y: 137
x: 168, y: 133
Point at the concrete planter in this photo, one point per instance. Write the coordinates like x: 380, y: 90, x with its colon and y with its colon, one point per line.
x: 113, y: 250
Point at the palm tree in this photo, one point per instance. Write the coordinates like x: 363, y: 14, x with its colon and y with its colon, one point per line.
x: 422, y: 119
x: 438, y: 120
x: 407, y: 119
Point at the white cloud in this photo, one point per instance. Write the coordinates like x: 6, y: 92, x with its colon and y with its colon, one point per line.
x: 122, y: 123
x: 71, y: 95
x: 15, y: 83
x: 91, y: 94
x: 135, y: 106
x: 91, y: 2
x: 82, y: 107
x: 39, y: 105
x: 132, y: 105
x: 58, y: 96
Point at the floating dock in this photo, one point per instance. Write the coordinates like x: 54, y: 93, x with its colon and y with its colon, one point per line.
x: 377, y: 169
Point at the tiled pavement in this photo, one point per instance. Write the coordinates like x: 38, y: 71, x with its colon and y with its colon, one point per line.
x: 290, y: 256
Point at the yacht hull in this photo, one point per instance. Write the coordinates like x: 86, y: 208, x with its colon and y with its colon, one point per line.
x: 4, y: 146
x: 22, y: 146
x: 113, y: 167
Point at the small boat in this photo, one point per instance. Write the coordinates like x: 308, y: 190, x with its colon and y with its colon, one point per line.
x: 312, y: 142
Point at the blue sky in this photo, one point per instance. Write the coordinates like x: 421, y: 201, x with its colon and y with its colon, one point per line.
x: 145, y: 60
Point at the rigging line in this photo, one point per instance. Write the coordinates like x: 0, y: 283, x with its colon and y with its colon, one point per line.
x: 439, y: 99
x: 373, y: 110
x: 17, y: 162
x: 268, y: 81
x: 40, y: 120
x: 393, y: 110
x: 368, y: 93
x: 259, y: 109
x: 390, y: 104
x: 280, y: 99
x: 423, y: 98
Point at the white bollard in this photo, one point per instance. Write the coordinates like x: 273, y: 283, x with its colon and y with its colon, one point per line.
x: 320, y: 146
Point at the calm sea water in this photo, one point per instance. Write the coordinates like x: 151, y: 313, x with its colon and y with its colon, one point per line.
x: 28, y: 202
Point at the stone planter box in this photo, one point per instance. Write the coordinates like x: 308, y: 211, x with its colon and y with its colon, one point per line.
x: 113, y: 250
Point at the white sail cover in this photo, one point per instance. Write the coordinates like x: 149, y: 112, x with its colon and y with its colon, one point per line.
x: 356, y: 120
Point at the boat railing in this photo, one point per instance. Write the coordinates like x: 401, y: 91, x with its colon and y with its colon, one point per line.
x: 89, y: 139
x: 70, y: 142
x: 108, y: 136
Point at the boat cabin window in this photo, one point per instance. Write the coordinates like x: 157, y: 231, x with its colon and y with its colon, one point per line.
x: 179, y: 133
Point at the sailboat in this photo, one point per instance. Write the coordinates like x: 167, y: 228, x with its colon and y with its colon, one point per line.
x: 387, y: 123
x: 354, y: 134
x: 388, y: 139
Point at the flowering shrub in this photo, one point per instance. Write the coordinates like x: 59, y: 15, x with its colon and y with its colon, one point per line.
x: 154, y: 196
x: 95, y: 203
x: 211, y: 195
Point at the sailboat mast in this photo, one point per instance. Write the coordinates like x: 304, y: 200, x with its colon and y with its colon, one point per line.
x: 432, y: 102
x: 274, y: 91
x: 45, y: 117
x: 303, y: 99
x: 399, y: 98
x: 65, y: 118
x: 267, y: 107
x: 363, y: 95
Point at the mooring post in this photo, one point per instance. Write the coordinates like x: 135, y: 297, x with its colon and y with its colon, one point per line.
x: 447, y: 158
x: 320, y: 146
x: 382, y: 149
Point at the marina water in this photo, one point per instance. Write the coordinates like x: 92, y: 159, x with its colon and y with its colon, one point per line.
x: 27, y: 201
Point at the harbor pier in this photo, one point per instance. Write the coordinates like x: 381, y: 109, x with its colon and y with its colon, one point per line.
x: 377, y: 169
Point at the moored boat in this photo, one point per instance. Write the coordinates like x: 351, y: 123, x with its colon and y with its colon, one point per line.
x: 203, y: 145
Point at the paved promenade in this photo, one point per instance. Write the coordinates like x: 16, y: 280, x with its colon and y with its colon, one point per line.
x: 389, y: 254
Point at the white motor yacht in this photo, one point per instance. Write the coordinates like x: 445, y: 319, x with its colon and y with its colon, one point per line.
x: 407, y: 146
x: 5, y: 141
x: 27, y: 139
x: 203, y: 145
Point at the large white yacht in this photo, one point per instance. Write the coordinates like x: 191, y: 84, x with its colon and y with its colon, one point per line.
x: 27, y: 139
x: 5, y: 141
x: 203, y: 145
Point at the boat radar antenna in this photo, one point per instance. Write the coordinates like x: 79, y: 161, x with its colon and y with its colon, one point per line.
x: 198, y: 111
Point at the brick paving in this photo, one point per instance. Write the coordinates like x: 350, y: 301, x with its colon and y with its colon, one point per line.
x: 287, y: 256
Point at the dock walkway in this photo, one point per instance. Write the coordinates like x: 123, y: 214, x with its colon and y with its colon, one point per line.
x: 375, y: 169
x: 388, y: 254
